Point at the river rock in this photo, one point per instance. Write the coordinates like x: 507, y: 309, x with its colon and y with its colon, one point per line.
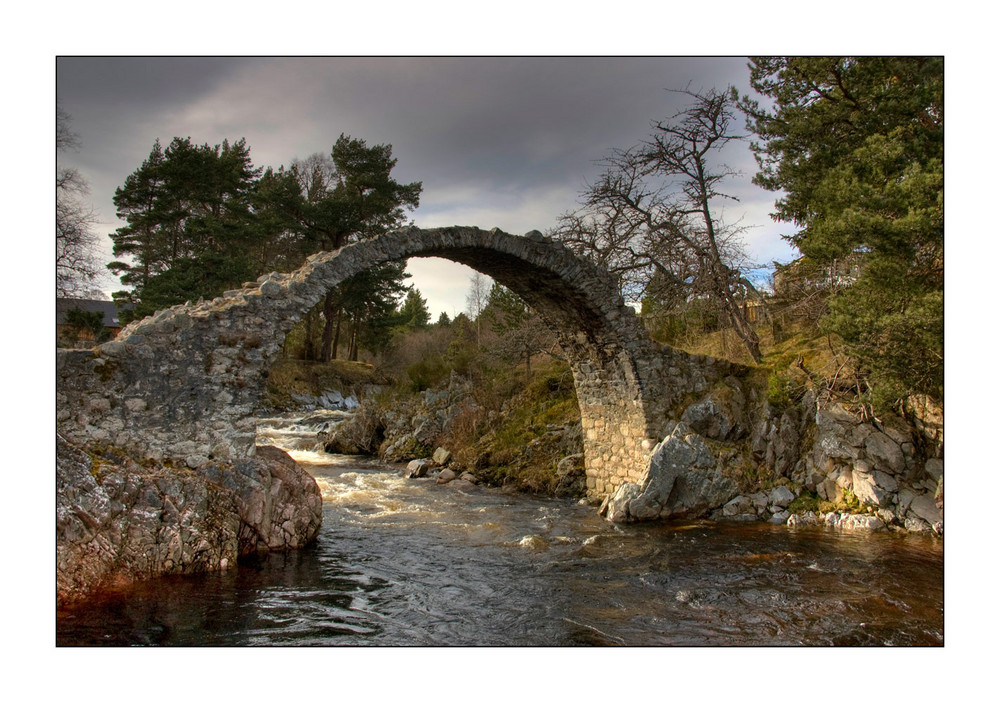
x: 571, y: 477
x: 441, y: 456
x: 684, y: 480
x: 786, y: 443
x: 279, y: 503
x: 781, y: 497
x: 616, y: 507
x: 445, y: 476
x: 924, y: 507
x: 886, y: 453
x: 760, y: 500
x: 720, y: 415
x: 740, y: 505
x: 805, y: 519
x: 915, y: 524
x: 853, y: 522
x: 118, y: 521
x: 862, y: 523
x: 868, y: 491
x: 934, y: 468
x: 416, y: 468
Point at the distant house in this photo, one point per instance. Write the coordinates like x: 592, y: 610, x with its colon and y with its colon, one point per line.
x: 106, y: 308
x: 803, y: 276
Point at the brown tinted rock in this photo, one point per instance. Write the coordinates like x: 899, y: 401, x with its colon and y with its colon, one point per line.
x: 416, y: 468
x: 118, y: 521
x: 445, y: 476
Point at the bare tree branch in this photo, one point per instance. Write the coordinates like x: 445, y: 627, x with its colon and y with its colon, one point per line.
x: 650, y: 214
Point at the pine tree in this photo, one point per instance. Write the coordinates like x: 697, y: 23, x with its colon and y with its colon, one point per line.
x: 348, y: 196
x: 189, y: 227
x: 856, y: 146
x: 413, y: 313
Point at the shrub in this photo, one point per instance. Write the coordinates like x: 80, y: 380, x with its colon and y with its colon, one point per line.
x: 427, y: 373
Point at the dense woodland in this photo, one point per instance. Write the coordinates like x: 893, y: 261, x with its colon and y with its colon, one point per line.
x: 852, y: 147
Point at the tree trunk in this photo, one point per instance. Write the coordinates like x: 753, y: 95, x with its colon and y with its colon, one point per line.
x: 336, y: 334
x: 352, y: 354
x: 328, y: 307
x: 308, y: 348
x: 744, y: 330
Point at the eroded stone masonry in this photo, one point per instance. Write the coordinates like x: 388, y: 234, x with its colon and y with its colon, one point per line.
x: 183, y: 384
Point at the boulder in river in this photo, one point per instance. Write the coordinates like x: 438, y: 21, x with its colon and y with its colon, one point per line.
x: 445, y: 476
x: 416, y: 468
x: 119, y: 520
x: 684, y: 480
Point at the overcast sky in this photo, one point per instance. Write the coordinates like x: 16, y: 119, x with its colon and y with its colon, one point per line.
x: 497, y: 142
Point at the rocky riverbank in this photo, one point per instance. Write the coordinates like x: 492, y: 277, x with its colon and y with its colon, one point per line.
x: 817, y: 463
x: 120, y: 520
x: 531, y: 441
x: 731, y: 455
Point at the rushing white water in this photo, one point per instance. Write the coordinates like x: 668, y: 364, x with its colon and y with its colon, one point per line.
x: 300, y: 435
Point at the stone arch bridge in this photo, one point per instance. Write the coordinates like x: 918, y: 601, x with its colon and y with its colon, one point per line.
x: 184, y: 383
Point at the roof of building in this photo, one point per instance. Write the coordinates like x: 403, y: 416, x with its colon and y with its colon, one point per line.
x: 106, y: 307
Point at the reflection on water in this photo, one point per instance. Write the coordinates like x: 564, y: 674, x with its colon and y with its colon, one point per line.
x: 408, y: 562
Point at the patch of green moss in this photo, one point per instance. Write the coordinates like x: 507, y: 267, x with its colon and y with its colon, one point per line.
x: 779, y: 391
x: 414, y: 449
x: 849, y: 501
x: 518, y: 449
x: 809, y: 501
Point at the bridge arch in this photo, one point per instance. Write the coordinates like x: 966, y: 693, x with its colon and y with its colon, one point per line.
x: 184, y: 383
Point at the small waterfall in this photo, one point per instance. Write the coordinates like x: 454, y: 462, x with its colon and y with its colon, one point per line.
x: 300, y: 434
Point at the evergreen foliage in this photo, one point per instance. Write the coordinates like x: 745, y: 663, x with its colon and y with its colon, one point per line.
x: 413, y: 314
x: 856, y: 146
x: 201, y: 219
x: 91, y: 323
x: 189, y: 224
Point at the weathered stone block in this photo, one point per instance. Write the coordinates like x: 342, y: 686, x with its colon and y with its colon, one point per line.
x: 885, y: 453
x: 780, y: 497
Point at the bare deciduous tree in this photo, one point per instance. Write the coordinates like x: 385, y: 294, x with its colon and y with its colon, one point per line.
x: 77, y: 245
x: 650, y: 217
x: 477, y: 298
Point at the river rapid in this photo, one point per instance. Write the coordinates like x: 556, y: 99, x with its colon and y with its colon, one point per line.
x: 409, y: 562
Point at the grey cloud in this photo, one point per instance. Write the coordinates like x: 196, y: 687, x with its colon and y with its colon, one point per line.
x: 512, y: 139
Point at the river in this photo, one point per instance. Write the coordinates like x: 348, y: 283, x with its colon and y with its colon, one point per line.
x: 409, y: 562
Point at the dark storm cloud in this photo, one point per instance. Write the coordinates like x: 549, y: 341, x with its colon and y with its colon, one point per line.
x: 127, y: 83
x: 519, y: 121
x: 503, y: 122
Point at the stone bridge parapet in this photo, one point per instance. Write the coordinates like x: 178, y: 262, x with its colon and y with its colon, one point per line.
x: 184, y: 384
